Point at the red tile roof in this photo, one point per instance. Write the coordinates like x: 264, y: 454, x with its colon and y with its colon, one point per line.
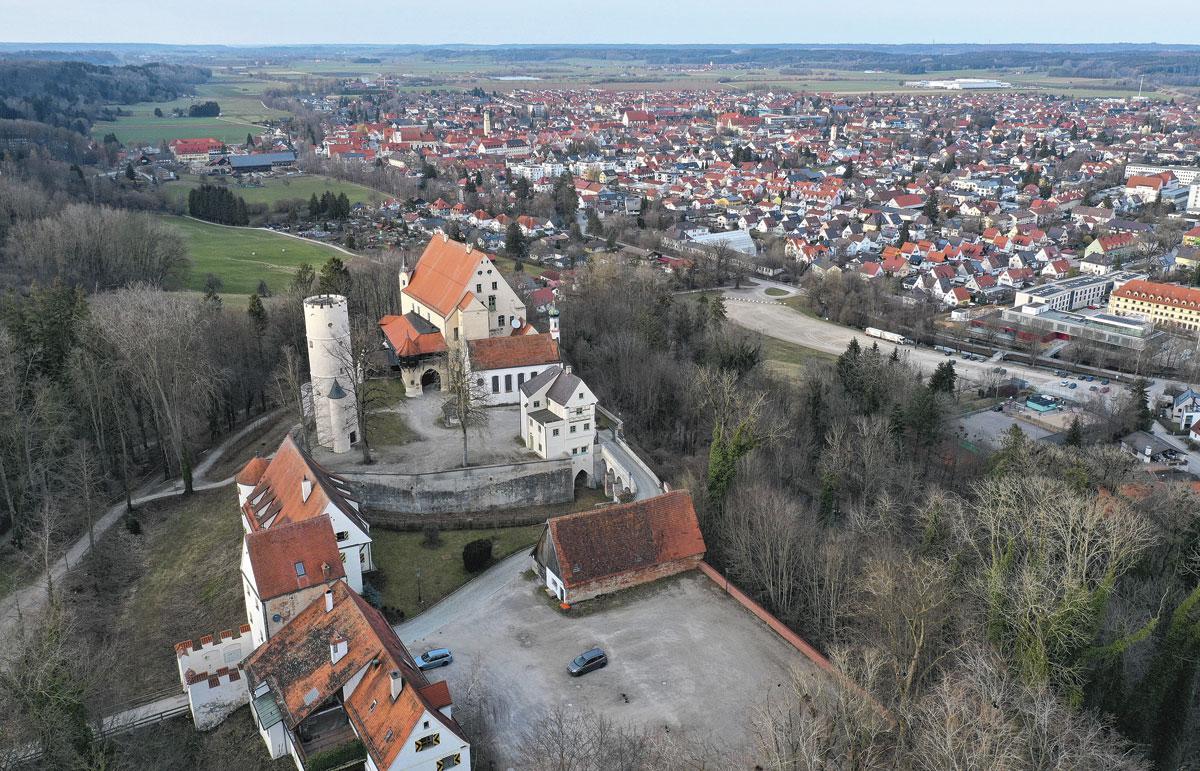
x: 274, y: 554
x: 513, y: 351
x: 296, y: 663
x: 632, y: 536
x: 1176, y: 296
x: 443, y: 273
x: 252, y: 471
x: 278, y: 498
x: 406, y: 340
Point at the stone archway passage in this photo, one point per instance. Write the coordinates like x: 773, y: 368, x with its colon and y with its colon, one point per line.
x: 431, y: 379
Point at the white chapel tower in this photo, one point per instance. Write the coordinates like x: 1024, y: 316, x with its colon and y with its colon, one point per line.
x: 331, y: 390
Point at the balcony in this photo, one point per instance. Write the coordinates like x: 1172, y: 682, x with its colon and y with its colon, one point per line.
x: 325, y: 741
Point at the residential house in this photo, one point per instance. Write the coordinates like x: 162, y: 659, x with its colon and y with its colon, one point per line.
x: 558, y: 417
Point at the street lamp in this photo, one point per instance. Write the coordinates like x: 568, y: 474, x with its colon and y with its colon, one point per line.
x: 419, y: 601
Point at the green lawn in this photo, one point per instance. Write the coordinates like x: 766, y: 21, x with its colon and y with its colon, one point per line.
x: 242, y: 256
x: 399, y: 555
x: 241, y: 109
x: 775, y: 292
x: 278, y: 189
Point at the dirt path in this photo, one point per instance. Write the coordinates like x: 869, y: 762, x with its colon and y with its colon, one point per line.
x: 31, y: 599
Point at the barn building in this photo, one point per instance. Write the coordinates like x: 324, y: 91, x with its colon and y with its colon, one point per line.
x: 600, y: 551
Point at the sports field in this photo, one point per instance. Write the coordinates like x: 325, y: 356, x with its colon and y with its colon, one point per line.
x: 242, y: 256
x: 280, y: 188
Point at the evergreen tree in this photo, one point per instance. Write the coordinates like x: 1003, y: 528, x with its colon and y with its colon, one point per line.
x: 334, y: 277
x: 514, y: 242
x: 847, y: 366
x: 343, y: 206
x: 263, y: 290
x: 1074, y: 436
x: 257, y: 313
x: 594, y: 226
x: 314, y: 207
x: 1139, y: 405
x: 944, y: 378
x: 302, y: 281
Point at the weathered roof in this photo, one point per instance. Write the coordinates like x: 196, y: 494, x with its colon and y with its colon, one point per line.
x: 564, y: 388
x: 513, y: 351
x: 297, y: 666
x: 611, y: 540
x: 275, y: 553
x: 533, y: 385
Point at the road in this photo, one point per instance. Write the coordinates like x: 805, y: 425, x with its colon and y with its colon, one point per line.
x: 32, y: 598
x: 645, y: 483
x: 471, y: 600
x: 754, y: 309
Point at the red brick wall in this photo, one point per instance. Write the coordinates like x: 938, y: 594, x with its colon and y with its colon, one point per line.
x: 610, y: 584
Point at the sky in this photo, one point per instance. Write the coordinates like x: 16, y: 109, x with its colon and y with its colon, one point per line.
x: 251, y: 22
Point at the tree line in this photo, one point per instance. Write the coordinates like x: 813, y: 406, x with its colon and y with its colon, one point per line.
x: 215, y: 203
x: 1035, y: 607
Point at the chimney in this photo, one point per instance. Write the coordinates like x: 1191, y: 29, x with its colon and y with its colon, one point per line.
x: 338, y: 646
x: 397, y: 683
x: 445, y: 237
x: 468, y: 248
x: 328, y: 600
x: 566, y: 369
x: 325, y: 570
x: 305, y: 488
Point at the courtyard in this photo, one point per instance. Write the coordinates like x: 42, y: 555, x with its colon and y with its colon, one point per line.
x: 411, y: 439
x: 683, y: 656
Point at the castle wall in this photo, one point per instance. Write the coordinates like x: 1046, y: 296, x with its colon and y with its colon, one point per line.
x: 476, y: 489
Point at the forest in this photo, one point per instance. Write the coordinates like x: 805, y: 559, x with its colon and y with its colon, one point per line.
x: 74, y: 95
x: 1032, y: 608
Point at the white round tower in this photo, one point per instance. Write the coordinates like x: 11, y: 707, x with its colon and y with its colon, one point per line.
x: 327, y: 327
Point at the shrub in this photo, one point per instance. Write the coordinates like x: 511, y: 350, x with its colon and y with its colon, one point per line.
x: 372, y: 595
x: 433, y: 537
x: 477, y: 555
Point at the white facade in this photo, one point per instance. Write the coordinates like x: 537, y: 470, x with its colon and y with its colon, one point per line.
x: 327, y: 327
x: 211, y: 675
x: 558, y: 418
x: 503, y: 385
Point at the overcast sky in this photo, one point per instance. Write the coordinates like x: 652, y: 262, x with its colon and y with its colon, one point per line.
x: 248, y: 22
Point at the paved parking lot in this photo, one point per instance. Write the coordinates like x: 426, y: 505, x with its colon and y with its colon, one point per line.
x: 988, y: 427
x: 684, y: 654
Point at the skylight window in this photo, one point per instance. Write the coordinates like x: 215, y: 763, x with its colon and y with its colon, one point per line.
x: 300, y: 569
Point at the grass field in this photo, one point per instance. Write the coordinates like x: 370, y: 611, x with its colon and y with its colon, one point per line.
x: 790, y: 359
x: 179, y: 578
x: 282, y: 188
x: 400, y: 555
x: 241, y: 108
x: 242, y: 256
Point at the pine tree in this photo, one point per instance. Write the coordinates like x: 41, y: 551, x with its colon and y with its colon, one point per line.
x: 1074, y: 436
x: 943, y: 379
x: 847, y: 366
x: 257, y: 313
x: 314, y: 207
x: 334, y: 277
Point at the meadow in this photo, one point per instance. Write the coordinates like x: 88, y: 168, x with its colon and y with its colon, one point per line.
x: 243, y: 256
x: 278, y: 188
x: 241, y: 110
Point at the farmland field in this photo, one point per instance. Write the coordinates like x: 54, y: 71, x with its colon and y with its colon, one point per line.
x: 242, y: 256
x: 240, y: 109
x: 280, y: 188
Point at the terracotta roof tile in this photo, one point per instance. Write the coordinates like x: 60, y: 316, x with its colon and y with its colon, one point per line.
x: 513, y: 351
x: 631, y: 536
x: 411, y: 335
x: 276, y: 552
x: 278, y: 498
x: 252, y: 471
x: 443, y: 273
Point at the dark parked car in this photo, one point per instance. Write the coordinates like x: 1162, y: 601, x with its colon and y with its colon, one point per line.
x: 587, y: 661
x: 1104, y: 381
x: 438, y: 657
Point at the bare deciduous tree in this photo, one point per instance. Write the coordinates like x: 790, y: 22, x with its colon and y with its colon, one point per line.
x: 466, y: 404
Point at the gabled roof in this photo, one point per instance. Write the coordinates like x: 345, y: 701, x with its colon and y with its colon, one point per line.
x: 512, y: 351
x: 278, y: 498
x: 611, y: 540
x: 412, y: 335
x: 297, y: 666
x: 443, y: 273
x: 252, y: 471
x: 289, y: 558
